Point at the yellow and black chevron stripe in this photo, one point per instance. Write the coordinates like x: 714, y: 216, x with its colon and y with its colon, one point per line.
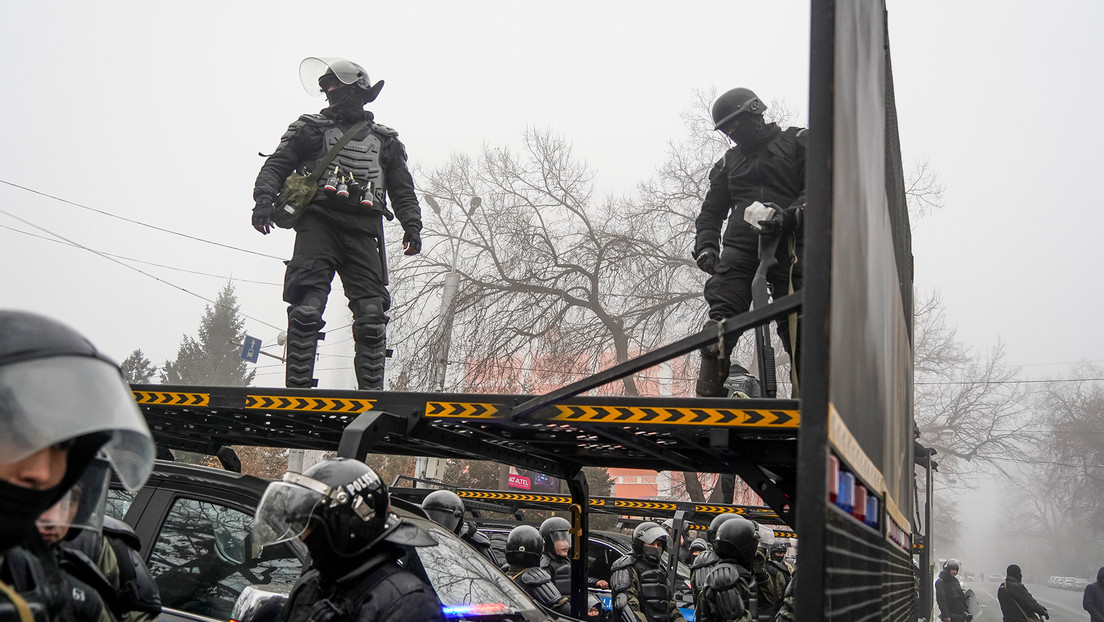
x: 352, y: 406
x: 487, y: 495
x: 734, y: 417
x: 461, y: 410
x: 162, y: 398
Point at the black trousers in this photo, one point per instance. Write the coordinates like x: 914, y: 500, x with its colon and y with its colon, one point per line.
x: 339, y: 244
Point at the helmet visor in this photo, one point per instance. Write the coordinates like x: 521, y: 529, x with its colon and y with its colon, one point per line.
x: 82, y: 506
x: 284, y: 512
x: 312, y: 68
x: 46, y: 401
x: 766, y: 534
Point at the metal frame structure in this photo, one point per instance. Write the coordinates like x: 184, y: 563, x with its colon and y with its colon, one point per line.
x: 557, y: 434
x: 855, y: 403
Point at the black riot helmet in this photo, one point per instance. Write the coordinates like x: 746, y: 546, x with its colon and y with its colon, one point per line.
x: 554, y: 530
x: 734, y: 103
x: 697, y: 545
x: 720, y: 519
x: 345, y: 505
x: 58, y: 393
x: 648, y: 533
x: 778, y: 550
x: 319, y: 74
x: 446, y: 509
x: 951, y: 564
x: 524, y: 546
x: 737, y: 539
x: 739, y: 114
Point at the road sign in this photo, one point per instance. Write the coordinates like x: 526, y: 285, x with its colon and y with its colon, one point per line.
x: 251, y: 349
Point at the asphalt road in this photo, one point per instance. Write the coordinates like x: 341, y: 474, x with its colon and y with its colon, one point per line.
x: 1063, y: 605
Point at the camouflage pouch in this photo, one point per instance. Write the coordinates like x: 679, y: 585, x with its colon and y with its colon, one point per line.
x: 299, y: 189
x: 293, y: 200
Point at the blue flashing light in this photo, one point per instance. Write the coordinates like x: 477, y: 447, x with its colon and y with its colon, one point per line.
x: 478, y: 609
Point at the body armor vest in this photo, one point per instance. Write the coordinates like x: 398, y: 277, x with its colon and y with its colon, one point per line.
x: 361, y: 158
x: 654, y: 596
x: 655, y: 599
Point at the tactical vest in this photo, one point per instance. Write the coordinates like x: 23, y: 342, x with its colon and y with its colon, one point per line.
x: 539, y: 585
x: 722, y: 597
x: 655, y: 599
x: 654, y: 596
x: 361, y: 157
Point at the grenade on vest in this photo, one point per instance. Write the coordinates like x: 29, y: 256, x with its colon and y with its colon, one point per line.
x: 366, y: 198
x: 342, y: 189
x: 331, y: 184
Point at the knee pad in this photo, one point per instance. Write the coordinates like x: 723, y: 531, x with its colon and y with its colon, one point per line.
x: 305, y: 320
x: 369, y: 322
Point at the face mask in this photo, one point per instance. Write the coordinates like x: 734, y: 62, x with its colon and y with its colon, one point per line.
x: 750, y: 131
x: 652, y: 553
x: 343, y: 97
x: 19, y: 507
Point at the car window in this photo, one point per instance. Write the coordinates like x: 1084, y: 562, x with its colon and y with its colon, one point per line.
x: 118, y: 502
x: 601, y: 557
x: 199, y: 559
x: 467, y: 583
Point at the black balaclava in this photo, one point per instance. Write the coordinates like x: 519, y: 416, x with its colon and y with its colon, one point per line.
x: 1100, y: 576
x: 753, y: 132
x: 19, y: 506
x: 346, y: 103
x: 1015, y: 573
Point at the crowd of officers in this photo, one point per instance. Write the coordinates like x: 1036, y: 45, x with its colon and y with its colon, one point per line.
x: 62, y: 560
x: 737, y: 574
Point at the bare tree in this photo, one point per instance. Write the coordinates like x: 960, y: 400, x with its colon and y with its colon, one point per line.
x: 551, y: 282
x: 969, y: 408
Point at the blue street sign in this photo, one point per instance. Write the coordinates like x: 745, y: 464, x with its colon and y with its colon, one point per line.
x: 251, y: 349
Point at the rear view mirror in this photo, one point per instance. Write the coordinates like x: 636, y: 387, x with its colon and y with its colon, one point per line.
x: 231, y: 547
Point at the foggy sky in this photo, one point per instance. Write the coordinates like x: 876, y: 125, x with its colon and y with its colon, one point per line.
x: 155, y: 112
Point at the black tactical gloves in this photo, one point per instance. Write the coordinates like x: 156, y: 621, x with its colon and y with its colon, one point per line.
x: 787, y: 220
x: 412, y: 241
x: 262, y: 218
x: 707, y: 259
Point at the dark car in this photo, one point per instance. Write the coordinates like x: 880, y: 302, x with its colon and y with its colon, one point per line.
x: 194, y: 524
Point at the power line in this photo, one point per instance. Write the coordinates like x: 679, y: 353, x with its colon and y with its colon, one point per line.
x: 148, y: 263
x: 137, y: 222
x: 986, y: 382
x: 127, y: 266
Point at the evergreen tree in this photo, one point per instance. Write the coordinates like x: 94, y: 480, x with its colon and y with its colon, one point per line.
x: 138, y: 369
x: 213, y: 358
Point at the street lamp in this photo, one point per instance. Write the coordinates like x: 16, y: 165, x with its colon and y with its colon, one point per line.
x: 427, y: 468
x: 450, y: 288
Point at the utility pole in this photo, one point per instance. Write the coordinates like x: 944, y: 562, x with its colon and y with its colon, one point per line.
x: 433, y: 468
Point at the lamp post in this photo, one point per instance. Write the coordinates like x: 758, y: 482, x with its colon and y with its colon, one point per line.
x: 450, y: 289
x: 426, y: 468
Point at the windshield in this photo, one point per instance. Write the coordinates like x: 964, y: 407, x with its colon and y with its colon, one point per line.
x: 466, y: 583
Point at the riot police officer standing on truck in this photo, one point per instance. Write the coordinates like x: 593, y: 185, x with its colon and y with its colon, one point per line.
x: 340, y: 230
x: 766, y: 165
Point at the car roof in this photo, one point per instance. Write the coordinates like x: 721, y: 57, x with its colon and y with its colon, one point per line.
x: 168, y: 470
